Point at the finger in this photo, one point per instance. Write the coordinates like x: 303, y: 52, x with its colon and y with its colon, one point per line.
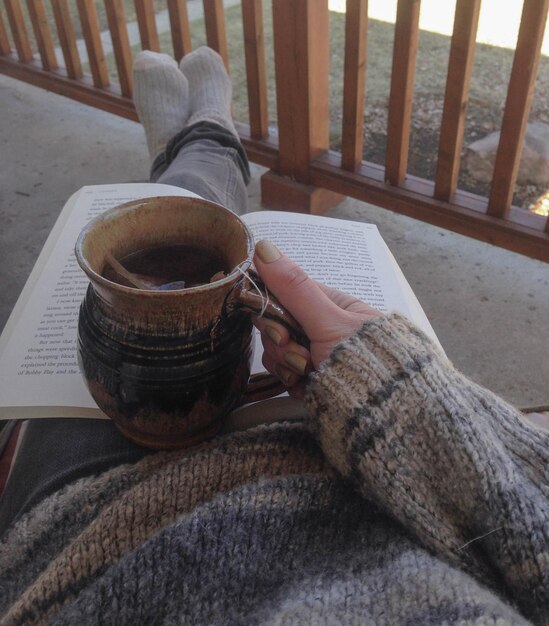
x: 341, y: 298
x: 292, y: 356
x: 348, y: 302
x: 277, y: 333
x: 294, y: 289
x: 297, y: 358
x: 288, y: 378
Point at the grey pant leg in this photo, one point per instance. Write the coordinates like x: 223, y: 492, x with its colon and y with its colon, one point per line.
x: 209, y: 160
x: 56, y: 452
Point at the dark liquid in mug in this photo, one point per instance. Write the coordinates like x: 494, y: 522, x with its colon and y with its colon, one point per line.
x: 171, y: 267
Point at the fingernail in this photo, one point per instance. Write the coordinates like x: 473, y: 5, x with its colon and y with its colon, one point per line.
x: 287, y: 376
x: 297, y: 362
x: 273, y: 335
x: 267, y: 251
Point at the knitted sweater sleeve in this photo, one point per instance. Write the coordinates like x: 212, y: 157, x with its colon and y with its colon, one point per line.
x: 455, y: 464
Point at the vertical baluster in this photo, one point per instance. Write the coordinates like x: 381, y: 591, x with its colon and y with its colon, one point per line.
x: 90, y: 30
x: 354, y: 79
x: 254, y: 49
x: 19, y: 30
x: 121, y: 44
x: 179, y: 23
x: 302, y: 57
x: 39, y: 21
x: 301, y: 64
x: 5, y: 47
x: 402, y: 88
x: 147, y: 25
x: 214, y: 18
x: 517, y: 105
x: 460, y: 67
x: 67, y: 40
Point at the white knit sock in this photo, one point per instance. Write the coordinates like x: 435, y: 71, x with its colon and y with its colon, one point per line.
x: 210, y: 88
x: 161, y: 97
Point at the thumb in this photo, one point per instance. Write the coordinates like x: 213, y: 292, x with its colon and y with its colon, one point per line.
x: 299, y: 294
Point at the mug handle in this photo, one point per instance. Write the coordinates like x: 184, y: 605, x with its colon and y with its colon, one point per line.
x: 246, y: 297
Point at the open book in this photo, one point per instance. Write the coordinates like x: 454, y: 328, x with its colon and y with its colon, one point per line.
x: 40, y: 376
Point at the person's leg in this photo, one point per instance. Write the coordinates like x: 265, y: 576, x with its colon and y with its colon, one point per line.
x: 55, y: 452
x: 207, y: 159
x: 206, y: 156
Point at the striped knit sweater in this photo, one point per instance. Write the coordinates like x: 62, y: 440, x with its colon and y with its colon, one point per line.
x: 409, y: 496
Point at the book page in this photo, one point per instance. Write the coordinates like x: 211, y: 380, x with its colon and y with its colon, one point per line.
x: 38, y: 346
x: 349, y: 256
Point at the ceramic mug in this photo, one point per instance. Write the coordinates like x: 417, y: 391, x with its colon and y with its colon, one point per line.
x: 167, y: 366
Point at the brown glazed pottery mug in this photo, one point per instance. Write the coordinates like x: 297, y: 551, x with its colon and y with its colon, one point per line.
x: 167, y: 366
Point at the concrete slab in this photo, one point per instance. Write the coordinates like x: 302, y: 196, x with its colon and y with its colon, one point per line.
x: 488, y: 306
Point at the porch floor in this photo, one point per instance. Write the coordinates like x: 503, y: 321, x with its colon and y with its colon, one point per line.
x: 489, y: 307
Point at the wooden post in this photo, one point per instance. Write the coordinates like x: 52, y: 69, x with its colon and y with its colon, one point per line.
x: 460, y: 67
x: 19, y: 30
x: 254, y: 50
x: 65, y: 32
x: 301, y: 51
x: 92, y: 37
x: 517, y: 105
x: 42, y: 34
x: 354, y: 78
x: 121, y: 44
x: 5, y: 47
x: 148, y: 32
x: 214, y: 20
x: 402, y: 90
x: 179, y: 24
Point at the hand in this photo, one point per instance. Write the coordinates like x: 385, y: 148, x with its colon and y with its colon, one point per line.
x: 327, y: 316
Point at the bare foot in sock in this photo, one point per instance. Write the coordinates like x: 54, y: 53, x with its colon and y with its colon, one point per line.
x: 161, y: 97
x: 210, y: 89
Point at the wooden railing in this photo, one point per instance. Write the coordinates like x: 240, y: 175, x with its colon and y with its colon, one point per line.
x: 304, y: 173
